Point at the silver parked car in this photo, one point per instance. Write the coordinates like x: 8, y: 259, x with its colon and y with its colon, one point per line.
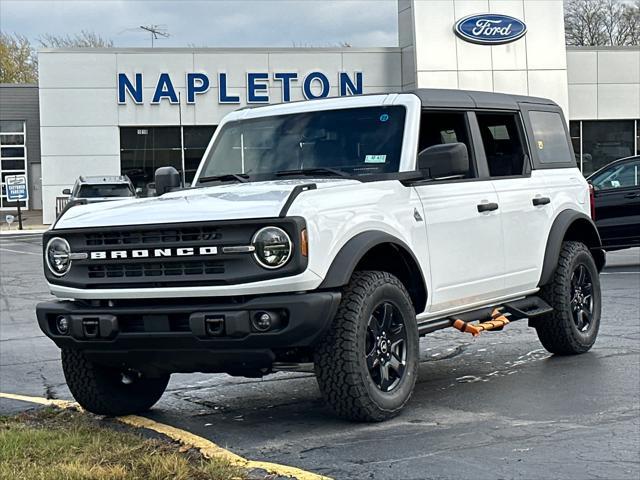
x: 101, y: 189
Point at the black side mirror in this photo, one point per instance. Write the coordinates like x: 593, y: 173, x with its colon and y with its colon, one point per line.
x: 167, y: 179
x: 446, y: 160
x: 66, y: 191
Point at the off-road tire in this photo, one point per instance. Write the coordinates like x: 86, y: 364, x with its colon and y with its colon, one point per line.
x: 557, y: 330
x: 99, y: 389
x: 340, y: 364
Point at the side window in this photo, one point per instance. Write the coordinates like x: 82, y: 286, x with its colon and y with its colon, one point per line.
x: 503, y: 143
x: 549, y: 138
x: 626, y: 175
x: 437, y: 128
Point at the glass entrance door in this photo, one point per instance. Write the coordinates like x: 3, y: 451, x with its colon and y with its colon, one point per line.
x: 13, y: 157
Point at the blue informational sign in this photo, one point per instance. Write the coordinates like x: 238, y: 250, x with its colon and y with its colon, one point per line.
x: 490, y: 29
x: 16, y: 188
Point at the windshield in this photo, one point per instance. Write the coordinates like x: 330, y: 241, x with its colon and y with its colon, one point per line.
x: 102, y: 191
x: 357, y: 141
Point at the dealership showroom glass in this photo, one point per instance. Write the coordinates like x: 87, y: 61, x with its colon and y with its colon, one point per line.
x: 114, y: 111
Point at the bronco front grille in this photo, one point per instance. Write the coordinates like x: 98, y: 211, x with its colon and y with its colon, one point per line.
x: 156, y: 237
x: 156, y: 269
x: 171, y: 255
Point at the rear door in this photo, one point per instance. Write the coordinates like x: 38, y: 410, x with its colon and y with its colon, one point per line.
x: 523, y: 197
x: 617, y: 200
x: 462, y: 222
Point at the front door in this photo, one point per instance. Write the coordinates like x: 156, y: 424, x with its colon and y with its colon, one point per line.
x: 465, y: 244
x: 462, y: 223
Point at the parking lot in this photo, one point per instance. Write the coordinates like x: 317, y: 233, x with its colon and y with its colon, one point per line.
x: 495, y: 407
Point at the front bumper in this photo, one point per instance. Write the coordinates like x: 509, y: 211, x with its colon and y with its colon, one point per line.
x: 305, y: 281
x: 206, y: 335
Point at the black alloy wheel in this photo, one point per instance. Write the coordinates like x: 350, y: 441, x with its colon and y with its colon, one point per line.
x: 582, y: 298
x: 574, y: 293
x: 386, y: 346
x: 367, y: 362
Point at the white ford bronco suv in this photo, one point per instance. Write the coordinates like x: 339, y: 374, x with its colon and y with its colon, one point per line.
x: 328, y: 236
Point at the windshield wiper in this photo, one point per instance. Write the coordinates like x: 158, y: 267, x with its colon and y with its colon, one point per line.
x: 313, y: 171
x: 239, y: 177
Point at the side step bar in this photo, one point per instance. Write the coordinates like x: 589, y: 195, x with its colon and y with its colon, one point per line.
x: 490, y: 318
x: 528, y: 307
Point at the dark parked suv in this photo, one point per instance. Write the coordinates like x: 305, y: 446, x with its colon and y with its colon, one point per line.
x: 616, y: 189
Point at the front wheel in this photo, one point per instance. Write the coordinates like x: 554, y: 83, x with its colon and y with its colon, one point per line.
x: 109, y: 391
x: 367, y: 363
x: 574, y: 294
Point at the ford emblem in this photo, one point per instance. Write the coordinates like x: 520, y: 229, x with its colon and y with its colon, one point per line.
x: 490, y: 29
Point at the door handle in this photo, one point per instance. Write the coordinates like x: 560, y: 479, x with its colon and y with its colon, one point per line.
x: 632, y: 195
x: 541, y: 201
x: 487, y: 207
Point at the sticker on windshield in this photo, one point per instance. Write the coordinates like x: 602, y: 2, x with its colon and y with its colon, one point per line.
x: 384, y: 117
x: 375, y: 159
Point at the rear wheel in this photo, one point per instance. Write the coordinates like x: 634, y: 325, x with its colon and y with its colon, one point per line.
x: 109, y: 391
x: 367, y: 363
x: 574, y: 293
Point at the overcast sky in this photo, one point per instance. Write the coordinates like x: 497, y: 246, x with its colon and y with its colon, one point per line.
x: 212, y: 23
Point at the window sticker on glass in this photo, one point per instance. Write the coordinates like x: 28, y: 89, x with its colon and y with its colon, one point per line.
x: 375, y: 159
x: 540, y: 145
x: 384, y: 117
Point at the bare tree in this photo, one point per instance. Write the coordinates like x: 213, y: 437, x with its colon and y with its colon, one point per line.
x: 84, y: 39
x: 602, y: 22
x: 18, y: 60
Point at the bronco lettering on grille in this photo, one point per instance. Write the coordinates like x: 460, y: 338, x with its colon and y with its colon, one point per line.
x: 153, y: 252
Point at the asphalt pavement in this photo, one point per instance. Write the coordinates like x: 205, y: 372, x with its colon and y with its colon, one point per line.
x: 498, y: 406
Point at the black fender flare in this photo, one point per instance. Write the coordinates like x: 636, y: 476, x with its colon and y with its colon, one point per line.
x: 347, y: 259
x: 570, y: 225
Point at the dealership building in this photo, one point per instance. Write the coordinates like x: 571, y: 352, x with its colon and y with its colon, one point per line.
x: 129, y: 111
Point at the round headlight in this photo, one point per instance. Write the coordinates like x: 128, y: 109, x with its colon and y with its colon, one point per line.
x: 272, y: 247
x: 58, y: 256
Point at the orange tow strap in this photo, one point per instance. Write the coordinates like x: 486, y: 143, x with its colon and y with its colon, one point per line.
x: 498, y: 320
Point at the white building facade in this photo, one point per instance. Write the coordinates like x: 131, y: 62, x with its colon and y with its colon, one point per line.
x: 130, y: 111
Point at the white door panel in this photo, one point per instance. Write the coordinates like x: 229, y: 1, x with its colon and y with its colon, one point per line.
x: 465, y: 246
x: 525, y: 228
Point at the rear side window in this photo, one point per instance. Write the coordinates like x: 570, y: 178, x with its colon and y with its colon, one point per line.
x: 503, y: 145
x: 549, y: 137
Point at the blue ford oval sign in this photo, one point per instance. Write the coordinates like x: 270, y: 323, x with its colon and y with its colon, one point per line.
x: 490, y: 29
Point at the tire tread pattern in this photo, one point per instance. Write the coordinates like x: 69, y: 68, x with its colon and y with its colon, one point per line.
x: 341, y: 380
x: 555, y: 330
x: 96, y: 392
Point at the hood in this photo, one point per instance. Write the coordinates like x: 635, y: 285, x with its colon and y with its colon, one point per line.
x: 221, y: 202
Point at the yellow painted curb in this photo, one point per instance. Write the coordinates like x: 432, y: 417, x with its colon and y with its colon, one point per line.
x: 206, y: 447
x: 40, y: 400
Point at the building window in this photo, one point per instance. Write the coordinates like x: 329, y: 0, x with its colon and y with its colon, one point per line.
x: 604, y: 141
x: 637, y: 137
x: 196, y: 140
x: 576, y: 141
x: 13, y: 156
x: 144, y: 149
